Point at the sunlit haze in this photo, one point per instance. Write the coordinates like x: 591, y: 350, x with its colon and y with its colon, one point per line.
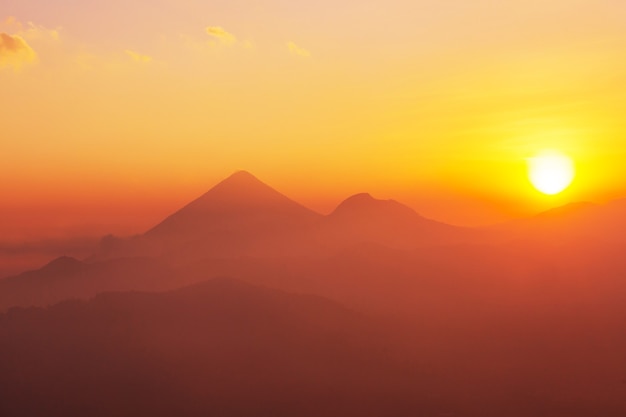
x: 114, y: 113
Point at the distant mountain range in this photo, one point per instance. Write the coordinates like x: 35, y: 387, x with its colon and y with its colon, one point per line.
x: 246, y: 303
x: 576, y: 221
x: 246, y: 229
x: 242, y: 216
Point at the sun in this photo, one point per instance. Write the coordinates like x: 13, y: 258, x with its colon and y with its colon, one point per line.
x: 550, y: 172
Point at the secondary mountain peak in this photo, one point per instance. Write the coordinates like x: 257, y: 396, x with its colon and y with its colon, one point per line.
x: 364, y: 203
x: 570, y: 209
x: 362, y: 218
x: 574, y: 222
x: 360, y: 197
x: 62, y: 264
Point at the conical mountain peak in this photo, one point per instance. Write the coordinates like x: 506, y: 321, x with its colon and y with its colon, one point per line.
x: 239, y: 202
x: 242, y: 188
x: 240, y: 178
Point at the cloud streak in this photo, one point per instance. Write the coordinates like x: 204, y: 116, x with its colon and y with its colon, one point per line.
x: 29, y: 31
x: 221, y: 35
x: 296, y: 50
x: 138, y: 57
x: 15, y: 51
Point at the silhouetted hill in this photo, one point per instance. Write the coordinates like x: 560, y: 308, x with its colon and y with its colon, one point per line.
x: 573, y: 222
x: 364, y: 219
x: 66, y: 278
x: 16, y: 257
x: 62, y: 265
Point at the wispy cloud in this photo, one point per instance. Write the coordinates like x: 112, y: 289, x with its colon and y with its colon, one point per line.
x: 29, y: 31
x: 221, y: 35
x: 296, y: 50
x: 218, y: 38
x: 15, y: 51
x: 138, y: 57
x: 18, y: 42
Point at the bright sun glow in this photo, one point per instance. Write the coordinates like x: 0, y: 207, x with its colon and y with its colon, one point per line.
x: 550, y: 172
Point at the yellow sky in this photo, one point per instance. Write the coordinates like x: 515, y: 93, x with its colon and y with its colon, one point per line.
x: 111, y: 109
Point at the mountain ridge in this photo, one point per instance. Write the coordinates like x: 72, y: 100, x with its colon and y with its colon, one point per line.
x: 240, y: 194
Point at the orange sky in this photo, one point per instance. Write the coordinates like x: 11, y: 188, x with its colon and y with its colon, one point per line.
x: 115, y: 113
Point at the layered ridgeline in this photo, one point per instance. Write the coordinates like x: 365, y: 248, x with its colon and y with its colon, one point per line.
x: 241, y: 217
x: 372, y: 254
x: 575, y: 222
x: 371, y: 310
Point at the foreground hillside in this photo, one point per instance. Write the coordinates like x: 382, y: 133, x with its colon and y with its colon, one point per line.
x: 227, y: 348
x: 217, y: 348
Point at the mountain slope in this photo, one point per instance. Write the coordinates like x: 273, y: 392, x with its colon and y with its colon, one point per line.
x: 573, y: 222
x: 239, y: 216
x: 66, y: 278
x: 239, y: 203
x: 364, y: 219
